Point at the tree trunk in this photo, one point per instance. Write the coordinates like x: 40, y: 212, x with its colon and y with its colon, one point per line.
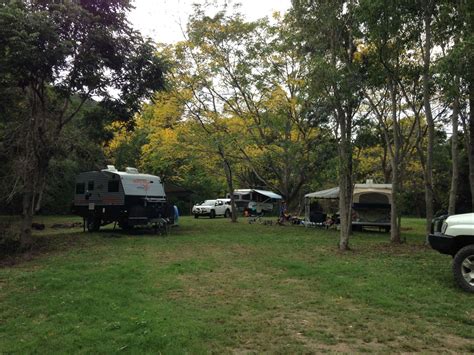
x: 395, y: 163
x: 428, y: 172
x: 230, y: 187
x: 470, y: 141
x: 455, y: 159
x: 26, y: 239
x: 345, y: 184
x: 345, y: 149
x: 394, y: 213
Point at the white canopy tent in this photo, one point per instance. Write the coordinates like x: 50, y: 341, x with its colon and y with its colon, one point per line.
x: 332, y: 193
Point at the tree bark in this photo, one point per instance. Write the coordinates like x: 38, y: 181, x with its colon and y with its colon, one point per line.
x: 26, y: 239
x: 428, y: 171
x: 470, y: 142
x: 454, y: 158
x: 395, y: 163
x: 230, y: 187
x: 345, y: 183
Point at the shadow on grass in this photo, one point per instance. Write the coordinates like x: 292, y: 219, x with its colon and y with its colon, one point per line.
x: 120, y: 233
x: 42, y: 245
x: 45, y: 244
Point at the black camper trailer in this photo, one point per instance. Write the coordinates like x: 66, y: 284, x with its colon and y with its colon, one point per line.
x: 125, y: 197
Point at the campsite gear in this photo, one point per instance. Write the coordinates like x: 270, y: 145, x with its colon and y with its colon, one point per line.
x: 176, y: 215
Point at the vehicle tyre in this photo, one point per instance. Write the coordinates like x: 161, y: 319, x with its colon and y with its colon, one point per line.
x: 93, y: 224
x: 196, y: 216
x: 212, y: 214
x: 124, y: 225
x: 463, y: 268
x: 227, y: 214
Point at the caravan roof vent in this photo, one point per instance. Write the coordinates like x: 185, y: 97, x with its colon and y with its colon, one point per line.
x: 110, y: 168
x: 131, y: 170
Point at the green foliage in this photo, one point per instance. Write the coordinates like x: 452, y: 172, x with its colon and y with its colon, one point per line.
x: 77, y: 49
x: 163, y: 144
x: 246, y: 85
x: 54, y: 58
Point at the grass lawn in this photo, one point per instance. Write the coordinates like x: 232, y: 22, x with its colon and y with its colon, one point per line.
x: 214, y: 286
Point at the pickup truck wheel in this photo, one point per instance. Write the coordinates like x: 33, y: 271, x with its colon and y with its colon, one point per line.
x: 227, y: 214
x: 463, y: 268
x: 212, y: 214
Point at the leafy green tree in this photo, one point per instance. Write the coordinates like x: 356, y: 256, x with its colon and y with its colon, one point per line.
x: 328, y: 32
x: 453, y: 35
x: 388, y: 38
x: 248, y: 80
x: 56, y: 56
x: 165, y: 144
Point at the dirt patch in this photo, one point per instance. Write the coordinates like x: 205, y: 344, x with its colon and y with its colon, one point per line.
x: 315, y: 332
x: 454, y: 342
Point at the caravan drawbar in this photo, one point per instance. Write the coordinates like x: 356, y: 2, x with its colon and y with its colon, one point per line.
x: 125, y: 197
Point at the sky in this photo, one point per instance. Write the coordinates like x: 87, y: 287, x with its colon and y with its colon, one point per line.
x: 162, y: 20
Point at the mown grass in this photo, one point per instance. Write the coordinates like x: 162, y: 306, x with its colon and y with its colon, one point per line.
x: 214, y: 286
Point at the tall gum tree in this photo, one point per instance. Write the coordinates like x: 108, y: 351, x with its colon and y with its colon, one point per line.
x: 388, y: 36
x: 450, y: 32
x: 454, y: 29
x: 327, y: 31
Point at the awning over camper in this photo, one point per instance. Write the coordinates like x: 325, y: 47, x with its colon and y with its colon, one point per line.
x: 268, y: 194
x: 329, y: 194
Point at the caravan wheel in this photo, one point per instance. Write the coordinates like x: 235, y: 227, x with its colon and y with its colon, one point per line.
x: 93, y: 224
x: 124, y: 225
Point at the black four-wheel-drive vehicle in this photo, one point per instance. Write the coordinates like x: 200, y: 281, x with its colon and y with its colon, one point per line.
x: 454, y: 235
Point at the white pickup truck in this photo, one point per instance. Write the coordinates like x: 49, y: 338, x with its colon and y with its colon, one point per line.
x: 454, y: 235
x: 213, y: 208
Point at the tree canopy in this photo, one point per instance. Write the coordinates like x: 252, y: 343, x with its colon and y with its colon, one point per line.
x: 330, y: 93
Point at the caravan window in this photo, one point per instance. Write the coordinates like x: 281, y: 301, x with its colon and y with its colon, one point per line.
x: 113, y: 186
x: 90, y: 186
x: 374, y: 197
x: 80, y: 188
